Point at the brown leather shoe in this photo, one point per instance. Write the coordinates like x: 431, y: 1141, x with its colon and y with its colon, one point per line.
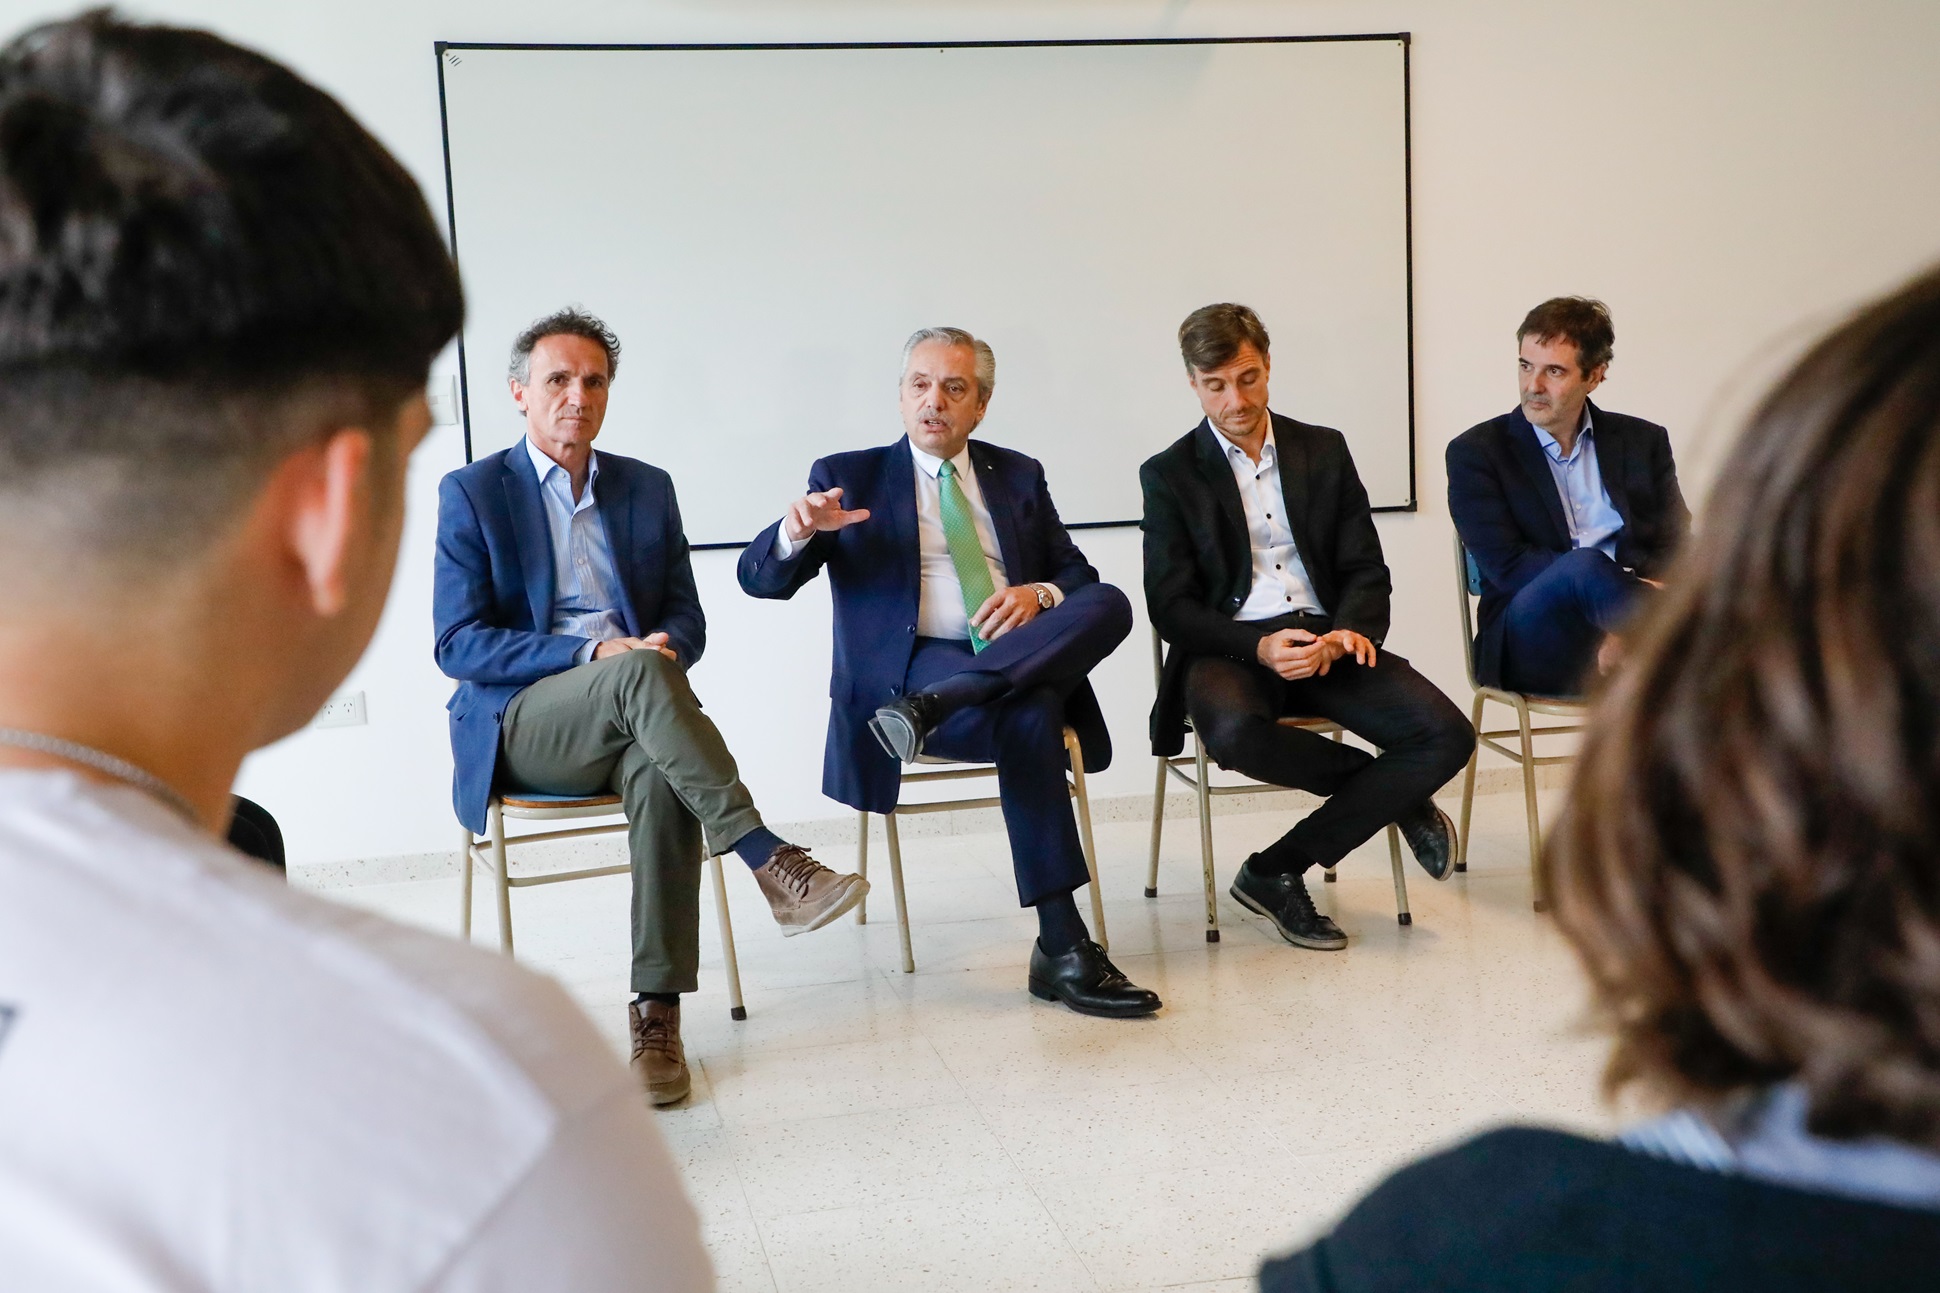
x: 658, y: 1059
x: 803, y: 893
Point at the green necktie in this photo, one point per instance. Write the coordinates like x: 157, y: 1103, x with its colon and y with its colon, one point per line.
x: 966, y: 553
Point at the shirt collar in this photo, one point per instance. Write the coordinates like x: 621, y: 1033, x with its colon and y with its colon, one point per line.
x: 1554, y: 450
x: 931, y: 465
x: 1268, y: 454
x: 545, y: 466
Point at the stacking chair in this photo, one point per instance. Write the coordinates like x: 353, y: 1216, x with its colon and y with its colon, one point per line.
x: 1468, y: 580
x: 1203, y: 791
x: 492, y: 854
x: 950, y: 770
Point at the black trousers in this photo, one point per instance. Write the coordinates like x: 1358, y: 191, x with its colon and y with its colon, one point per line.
x: 1424, y: 741
x: 1022, y: 731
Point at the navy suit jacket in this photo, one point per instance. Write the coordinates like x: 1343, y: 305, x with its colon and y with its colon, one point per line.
x: 875, y: 570
x: 1506, y: 508
x: 492, y: 591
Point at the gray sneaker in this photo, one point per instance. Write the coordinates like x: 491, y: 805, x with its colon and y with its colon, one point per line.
x: 803, y: 893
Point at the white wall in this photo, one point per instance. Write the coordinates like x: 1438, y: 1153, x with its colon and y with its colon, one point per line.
x: 1726, y: 175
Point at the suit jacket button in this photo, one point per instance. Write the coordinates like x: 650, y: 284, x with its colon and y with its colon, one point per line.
x: 912, y: 628
x: 895, y: 691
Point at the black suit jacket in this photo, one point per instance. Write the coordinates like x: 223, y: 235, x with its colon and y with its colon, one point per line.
x: 1199, y: 559
x: 1506, y: 508
x: 1565, y: 1213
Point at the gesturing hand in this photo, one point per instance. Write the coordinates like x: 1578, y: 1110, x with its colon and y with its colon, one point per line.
x: 1295, y: 653
x: 822, y: 511
x: 1004, y: 610
x: 1352, y: 643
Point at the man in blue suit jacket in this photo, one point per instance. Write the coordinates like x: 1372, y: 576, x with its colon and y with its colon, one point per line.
x: 565, y: 607
x: 965, y: 623
x: 1571, y: 513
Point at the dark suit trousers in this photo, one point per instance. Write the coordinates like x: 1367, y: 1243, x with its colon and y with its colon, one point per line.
x: 631, y: 725
x: 1022, y: 731
x: 1554, y: 625
x: 1235, y: 707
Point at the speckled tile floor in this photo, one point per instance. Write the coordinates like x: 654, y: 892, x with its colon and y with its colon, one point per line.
x: 864, y: 1129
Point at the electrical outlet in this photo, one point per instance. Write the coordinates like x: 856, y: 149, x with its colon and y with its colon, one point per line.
x: 346, y: 709
x: 442, y: 396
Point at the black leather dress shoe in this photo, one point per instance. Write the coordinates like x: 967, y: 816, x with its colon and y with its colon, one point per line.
x: 1432, y: 837
x: 1085, y: 980
x: 1284, y: 900
x: 902, y: 724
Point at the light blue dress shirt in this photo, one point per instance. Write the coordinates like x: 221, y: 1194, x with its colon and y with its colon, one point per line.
x: 1280, y: 582
x: 586, y: 585
x: 1594, y: 522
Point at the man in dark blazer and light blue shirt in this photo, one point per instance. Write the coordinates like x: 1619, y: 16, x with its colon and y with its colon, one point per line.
x: 565, y: 606
x: 965, y: 623
x: 1571, y: 513
x: 1264, y: 573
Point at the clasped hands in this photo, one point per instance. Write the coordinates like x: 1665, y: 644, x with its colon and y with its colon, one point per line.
x: 651, y: 642
x: 1295, y: 653
x: 1002, y: 611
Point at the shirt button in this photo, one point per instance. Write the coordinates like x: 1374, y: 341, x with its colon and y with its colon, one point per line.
x: 1276, y: 567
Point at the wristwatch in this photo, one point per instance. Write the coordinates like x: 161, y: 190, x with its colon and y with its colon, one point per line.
x: 1044, y: 599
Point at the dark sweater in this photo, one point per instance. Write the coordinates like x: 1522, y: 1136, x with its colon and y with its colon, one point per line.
x: 1527, y: 1209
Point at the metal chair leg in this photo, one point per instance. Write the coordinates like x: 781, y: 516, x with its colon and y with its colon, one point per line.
x: 1468, y: 782
x: 862, y: 864
x: 503, y: 880
x: 736, y: 1010
x: 896, y: 884
x: 1083, y: 802
x: 1205, y: 837
x: 1329, y: 875
x: 465, y: 885
x: 1402, y: 915
x: 1529, y: 803
x: 1158, y: 828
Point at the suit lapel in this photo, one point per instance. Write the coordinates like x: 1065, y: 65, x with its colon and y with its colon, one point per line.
x: 616, y: 503
x: 533, y: 534
x: 1529, y: 455
x: 1290, y: 448
x: 1611, y: 447
x: 1218, y: 475
x: 1003, y: 513
x: 899, y: 489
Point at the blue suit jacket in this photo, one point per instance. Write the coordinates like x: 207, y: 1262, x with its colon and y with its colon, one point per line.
x: 492, y: 591
x: 1506, y: 508
x: 875, y: 570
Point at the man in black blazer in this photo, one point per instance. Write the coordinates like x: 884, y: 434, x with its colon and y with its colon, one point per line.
x: 1264, y: 573
x: 1571, y: 513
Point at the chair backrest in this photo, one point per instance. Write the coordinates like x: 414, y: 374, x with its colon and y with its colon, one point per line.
x: 1468, y: 584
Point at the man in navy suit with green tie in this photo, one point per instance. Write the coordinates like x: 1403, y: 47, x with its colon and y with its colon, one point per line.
x: 966, y: 622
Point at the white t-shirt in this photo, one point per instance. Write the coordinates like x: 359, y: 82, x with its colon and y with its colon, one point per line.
x: 209, y: 1081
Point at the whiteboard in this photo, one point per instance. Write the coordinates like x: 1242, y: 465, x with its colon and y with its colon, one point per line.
x: 764, y: 226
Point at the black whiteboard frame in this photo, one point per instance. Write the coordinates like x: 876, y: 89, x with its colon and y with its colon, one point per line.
x: 443, y: 48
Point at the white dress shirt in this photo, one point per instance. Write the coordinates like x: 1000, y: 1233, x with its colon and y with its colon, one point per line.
x: 585, y: 582
x: 1593, y: 519
x: 940, y: 612
x: 1280, y: 582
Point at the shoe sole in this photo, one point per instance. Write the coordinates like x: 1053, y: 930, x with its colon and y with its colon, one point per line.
x: 671, y: 1092
x: 901, y: 744
x: 1044, y: 993
x: 1298, y: 940
x: 855, y: 894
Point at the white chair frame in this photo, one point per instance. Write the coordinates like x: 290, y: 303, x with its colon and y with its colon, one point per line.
x: 1200, y: 783
x: 1468, y: 584
x: 492, y: 855
x: 952, y: 770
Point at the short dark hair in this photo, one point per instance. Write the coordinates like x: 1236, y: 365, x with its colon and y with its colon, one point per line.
x: 1579, y: 320
x: 204, y: 261
x: 1213, y: 334
x: 1746, y: 863
x: 569, y: 322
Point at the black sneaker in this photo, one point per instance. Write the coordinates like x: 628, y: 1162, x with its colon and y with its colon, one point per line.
x: 1283, y: 899
x: 1432, y: 838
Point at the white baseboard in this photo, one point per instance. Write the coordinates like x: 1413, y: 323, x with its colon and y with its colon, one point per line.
x: 836, y: 835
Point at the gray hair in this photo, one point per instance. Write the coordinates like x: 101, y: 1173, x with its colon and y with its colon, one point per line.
x: 569, y: 322
x: 986, y: 357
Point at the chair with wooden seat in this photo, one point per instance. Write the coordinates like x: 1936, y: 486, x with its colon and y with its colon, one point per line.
x: 1468, y: 580
x: 492, y: 854
x: 937, y: 769
x: 1200, y: 782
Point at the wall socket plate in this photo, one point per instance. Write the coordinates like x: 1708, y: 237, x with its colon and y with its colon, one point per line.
x: 441, y: 394
x: 345, y: 709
